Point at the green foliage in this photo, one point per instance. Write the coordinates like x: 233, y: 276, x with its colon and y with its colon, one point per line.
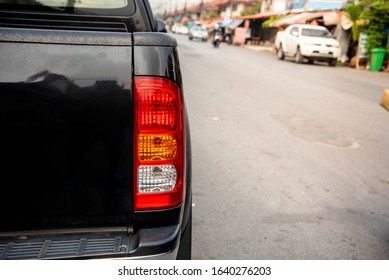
x: 376, y: 12
x: 256, y: 9
x: 213, y: 14
x: 165, y: 15
x: 267, y: 23
x: 354, y: 13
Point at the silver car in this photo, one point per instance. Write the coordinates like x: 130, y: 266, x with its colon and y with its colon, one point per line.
x: 198, y: 32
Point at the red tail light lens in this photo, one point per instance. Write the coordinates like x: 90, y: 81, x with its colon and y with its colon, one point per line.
x: 158, y: 144
x: 157, y: 104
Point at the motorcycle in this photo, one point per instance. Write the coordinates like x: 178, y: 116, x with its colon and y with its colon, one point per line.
x: 217, y: 39
x: 228, y: 39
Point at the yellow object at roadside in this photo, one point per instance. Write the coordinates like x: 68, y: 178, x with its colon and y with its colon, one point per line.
x: 385, y: 100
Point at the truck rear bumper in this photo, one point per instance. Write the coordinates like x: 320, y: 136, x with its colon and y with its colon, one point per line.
x: 151, y: 243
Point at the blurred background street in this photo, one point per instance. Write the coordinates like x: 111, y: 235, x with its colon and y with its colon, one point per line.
x: 290, y: 161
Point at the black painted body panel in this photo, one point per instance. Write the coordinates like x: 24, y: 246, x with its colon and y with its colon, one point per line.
x: 66, y: 117
x: 66, y: 129
x: 66, y: 37
x: 161, y: 61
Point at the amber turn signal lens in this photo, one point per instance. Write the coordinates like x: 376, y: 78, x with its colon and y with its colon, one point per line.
x: 156, y: 147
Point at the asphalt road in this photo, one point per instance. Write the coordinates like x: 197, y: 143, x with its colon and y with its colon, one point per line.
x: 289, y: 161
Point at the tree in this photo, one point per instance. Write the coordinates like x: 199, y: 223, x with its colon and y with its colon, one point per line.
x: 376, y: 12
x: 209, y: 15
x: 256, y: 9
x: 354, y: 13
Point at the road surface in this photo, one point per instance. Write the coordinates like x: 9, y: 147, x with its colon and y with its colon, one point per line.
x: 289, y: 161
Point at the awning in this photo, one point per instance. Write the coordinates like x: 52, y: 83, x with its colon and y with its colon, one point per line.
x: 281, y: 21
x: 184, y: 20
x: 329, y: 17
x: 212, y: 24
x: 259, y: 16
x: 225, y: 22
x: 209, y: 21
x: 235, y: 23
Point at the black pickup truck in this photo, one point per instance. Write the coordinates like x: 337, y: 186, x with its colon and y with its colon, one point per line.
x: 95, y: 144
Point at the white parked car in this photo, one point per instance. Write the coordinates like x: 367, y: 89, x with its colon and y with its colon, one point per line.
x: 184, y: 30
x: 303, y: 41
x: 180, y: 29
x: 198, y: 32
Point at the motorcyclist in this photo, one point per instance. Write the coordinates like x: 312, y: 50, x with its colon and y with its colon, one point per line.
x: 217, y: 36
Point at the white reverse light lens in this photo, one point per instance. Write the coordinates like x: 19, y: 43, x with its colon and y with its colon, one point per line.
x: 152, y: 179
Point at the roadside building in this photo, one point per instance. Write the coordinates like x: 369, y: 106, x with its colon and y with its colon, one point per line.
x: 225, y: 9
x: 278, y: 14
x: 280, y: 6
x: 256, y: 34
x: 230, y: 9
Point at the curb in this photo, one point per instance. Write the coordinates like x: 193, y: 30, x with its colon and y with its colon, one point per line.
x: 259, y: 48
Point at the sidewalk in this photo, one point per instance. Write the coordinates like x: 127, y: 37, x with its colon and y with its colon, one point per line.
x: 273, y: 50
x: 259, y: 48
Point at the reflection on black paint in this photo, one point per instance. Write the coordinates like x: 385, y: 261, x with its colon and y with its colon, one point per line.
x: 161, y: 61
x: 65, y: 152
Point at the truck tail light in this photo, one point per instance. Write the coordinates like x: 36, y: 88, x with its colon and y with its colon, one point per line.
x: 156, y: 147
x: 158, y: 144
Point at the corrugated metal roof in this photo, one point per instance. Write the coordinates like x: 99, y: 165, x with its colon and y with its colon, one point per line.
x: 304, y: 17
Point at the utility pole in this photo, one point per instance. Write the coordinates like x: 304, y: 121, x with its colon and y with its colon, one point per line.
x: 175, y: 11
x: 305, y: 5
x: 170, y: 7
x: 183, y: 12
x: 201, y: 9
x: 231, y: 7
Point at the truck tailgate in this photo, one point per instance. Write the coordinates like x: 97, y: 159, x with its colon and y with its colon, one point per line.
x: 66, y: 114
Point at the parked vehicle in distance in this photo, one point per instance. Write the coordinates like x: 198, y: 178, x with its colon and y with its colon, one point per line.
x: 180, y: 29
x: 198, y: 32
x: 303, y: 41
x: 175, y: 28
x: 184, y: 30
x: 95, y: 143
x: 228, y: 38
